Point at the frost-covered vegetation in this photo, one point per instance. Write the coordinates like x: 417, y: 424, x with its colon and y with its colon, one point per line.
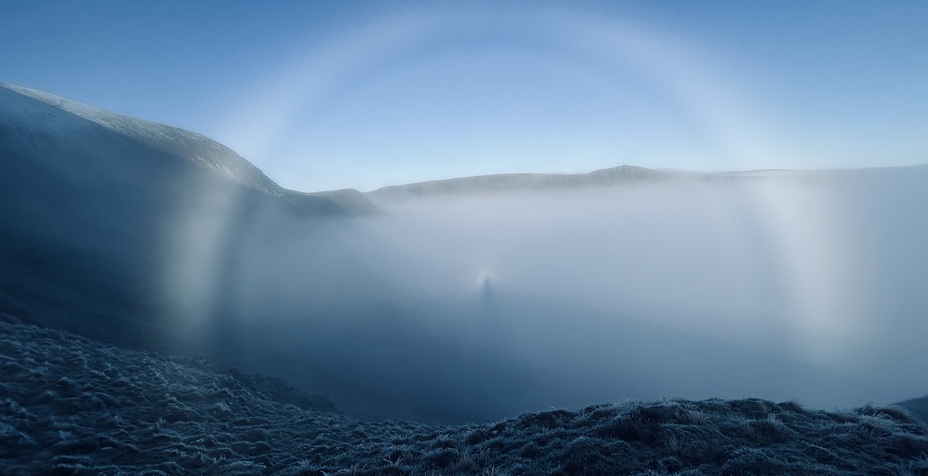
x: 69, y: 405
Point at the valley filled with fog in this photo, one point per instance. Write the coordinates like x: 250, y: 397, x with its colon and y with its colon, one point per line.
x: 468, y: 299
x: 168, y: 307
x: 316, y: 238
x: 476, y: 301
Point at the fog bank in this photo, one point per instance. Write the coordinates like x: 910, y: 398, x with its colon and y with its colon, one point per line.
x: 453, y: 306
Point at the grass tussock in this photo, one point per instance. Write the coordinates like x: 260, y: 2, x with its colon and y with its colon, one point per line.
x: 69, y: 405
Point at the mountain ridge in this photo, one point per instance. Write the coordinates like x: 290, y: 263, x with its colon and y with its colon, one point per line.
x: 190, y: 145
x: 621, y: 175
x: 525, y: 181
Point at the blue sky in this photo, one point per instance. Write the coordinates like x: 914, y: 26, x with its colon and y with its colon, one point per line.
x: 324, y: 95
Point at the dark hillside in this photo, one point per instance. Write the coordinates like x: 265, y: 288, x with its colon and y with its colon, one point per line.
x: 89, y: 201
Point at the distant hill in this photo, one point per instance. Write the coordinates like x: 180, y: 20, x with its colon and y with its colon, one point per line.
x: 624, y: 174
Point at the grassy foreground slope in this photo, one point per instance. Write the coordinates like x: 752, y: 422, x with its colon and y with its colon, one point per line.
x: 69, y: 405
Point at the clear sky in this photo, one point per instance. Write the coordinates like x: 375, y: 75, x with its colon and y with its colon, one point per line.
x: 325, y: 95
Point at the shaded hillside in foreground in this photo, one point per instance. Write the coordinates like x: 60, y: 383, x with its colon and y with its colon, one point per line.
x: 72, y: 406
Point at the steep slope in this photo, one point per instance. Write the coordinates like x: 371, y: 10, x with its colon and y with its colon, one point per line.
x: 31, y: 110
x: 90, y: 202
